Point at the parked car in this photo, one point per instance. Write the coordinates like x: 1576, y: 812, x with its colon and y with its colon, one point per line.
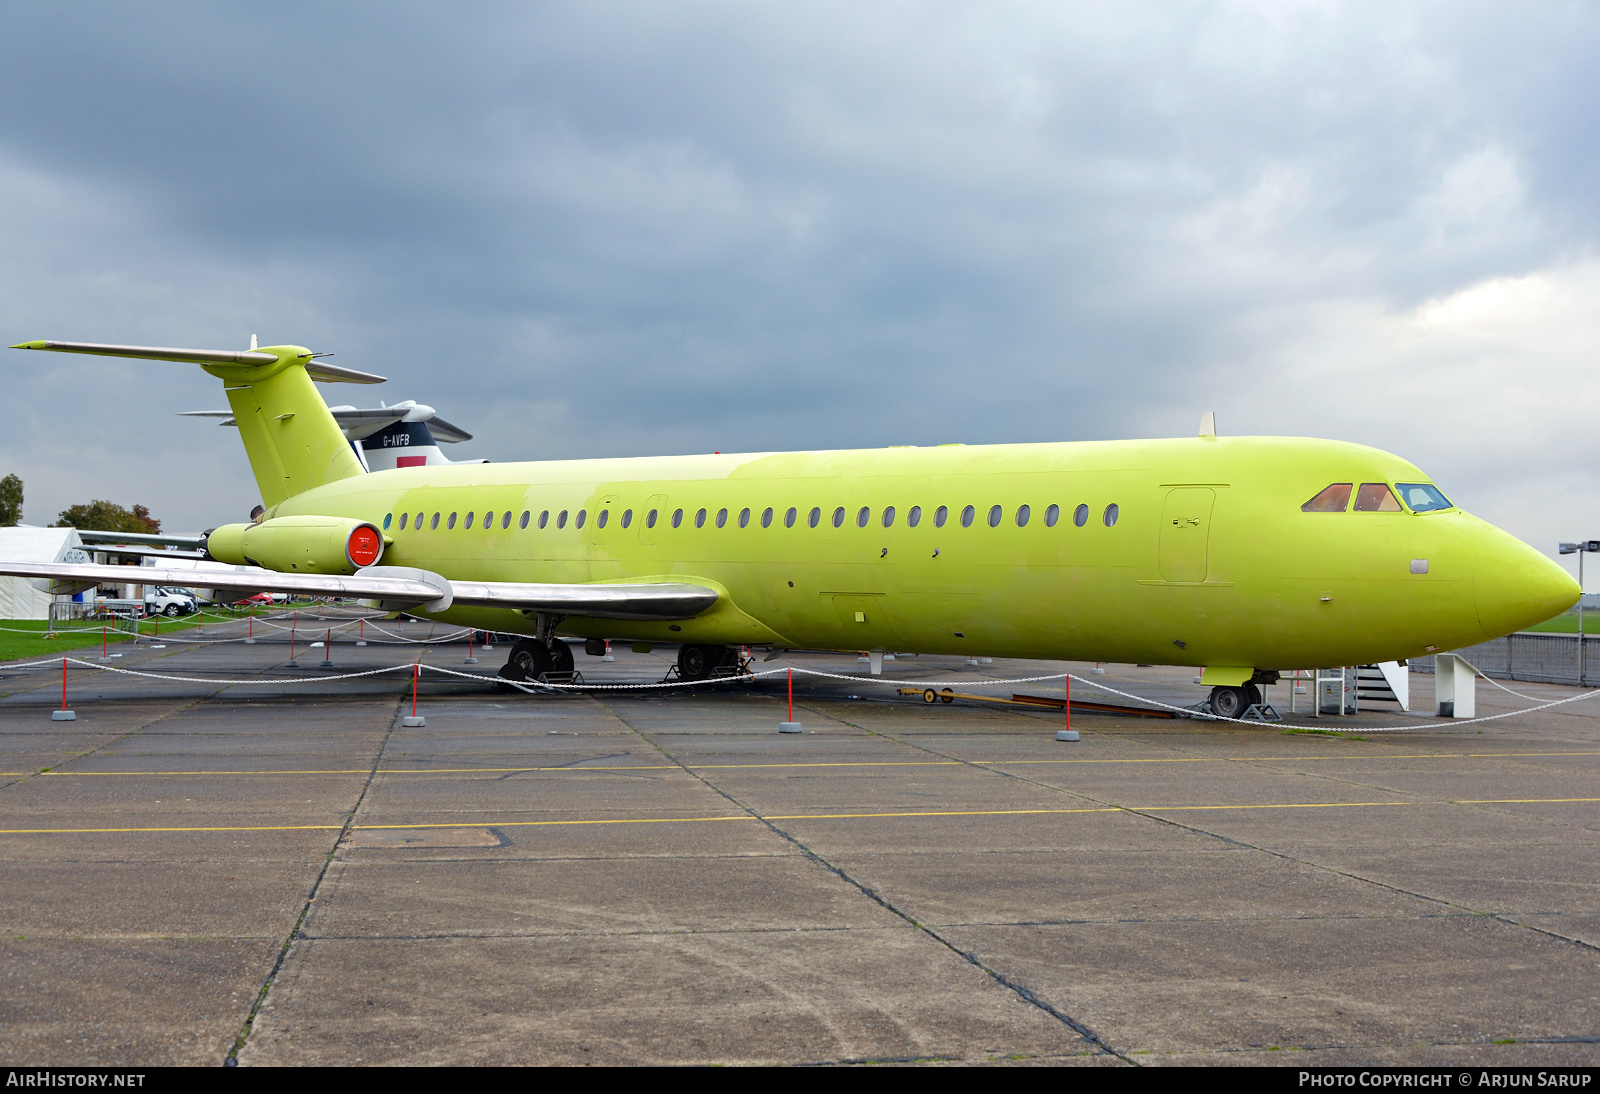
x: 259, y: 599
x: 164, y: 600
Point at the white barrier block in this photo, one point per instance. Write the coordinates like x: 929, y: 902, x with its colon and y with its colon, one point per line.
x: 1455, y: 687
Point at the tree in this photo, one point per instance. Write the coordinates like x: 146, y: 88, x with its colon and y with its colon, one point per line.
x: 108, y: 516
x: 10, y: 501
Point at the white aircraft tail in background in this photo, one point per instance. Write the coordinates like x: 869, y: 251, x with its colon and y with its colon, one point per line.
x: 407, y: 434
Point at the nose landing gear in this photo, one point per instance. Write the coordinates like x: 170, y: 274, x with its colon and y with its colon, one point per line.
x: 1233, y: 702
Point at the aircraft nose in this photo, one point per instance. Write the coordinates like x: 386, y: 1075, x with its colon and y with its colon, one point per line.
x: 1517, y: 586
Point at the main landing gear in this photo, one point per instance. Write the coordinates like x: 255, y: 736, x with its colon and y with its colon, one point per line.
x: 541, y: 658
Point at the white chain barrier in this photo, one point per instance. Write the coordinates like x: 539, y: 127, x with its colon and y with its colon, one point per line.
x: 747, y: 677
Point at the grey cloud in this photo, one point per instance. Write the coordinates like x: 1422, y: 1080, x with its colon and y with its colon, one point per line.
x: 635, y: 228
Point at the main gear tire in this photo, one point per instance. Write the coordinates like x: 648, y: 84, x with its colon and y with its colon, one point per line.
x: 695, y: 662
x: 560, y: 656
x: 528, y: 661
x: 1229, y: 702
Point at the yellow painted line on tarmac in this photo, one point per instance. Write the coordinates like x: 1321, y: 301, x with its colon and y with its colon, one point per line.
x: 815, y: 764
x: 782, y: 817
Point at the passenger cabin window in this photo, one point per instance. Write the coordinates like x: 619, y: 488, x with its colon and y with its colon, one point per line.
x: 650, y: 519
x: 627, y: 517
x: 1051, y: 515
x: 766, y: 517
x: 1376, y: 497
x: 417, y: 524
x: 1110, y: 515
x: 914, y: 516
x: 940, y: 515
x: 561, y: 519
x: 677, y: 517
x: 1422, y: 497
x: 722, y: 517
x: 403, y: 517
x: 1332, y: 499
x: 888, y: 516
x: 864, y: 517
x: 995, y: 513
x: 505, y: 521
x: 966, y: 516
x: 581, y: 518
x: 700, y: 519
x: 600, y: 518
x: 544, y: 517
x: 789, y: 517
x: 433, y: 525
x: 816, y: 516
x: 523, y: 523
x: 838, y: 517
x: 468, y: 523
x: 387, y: 517
x: 1080, y: 516
x: 1023, y: 512
x: 451, y: 523
x: 744, y: 518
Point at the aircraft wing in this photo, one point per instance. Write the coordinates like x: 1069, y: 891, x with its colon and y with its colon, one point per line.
x: 398, y: 587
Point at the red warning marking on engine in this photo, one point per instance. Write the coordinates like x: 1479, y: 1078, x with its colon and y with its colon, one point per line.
x: 364, y: 546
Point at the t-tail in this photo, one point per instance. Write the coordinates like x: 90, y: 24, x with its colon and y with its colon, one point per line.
x: 290, y: 437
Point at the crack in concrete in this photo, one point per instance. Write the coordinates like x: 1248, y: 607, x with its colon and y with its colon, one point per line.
x: 1244, y: 844
x: 1020, y: 990
x: 232, y: 1059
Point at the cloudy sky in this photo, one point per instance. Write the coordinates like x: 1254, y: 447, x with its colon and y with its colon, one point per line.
x: 596, y: 228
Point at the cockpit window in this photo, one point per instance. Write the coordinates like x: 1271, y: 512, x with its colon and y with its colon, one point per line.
x: 1422, y: 496
x: 1376, y: 497
x: 1332, y: 499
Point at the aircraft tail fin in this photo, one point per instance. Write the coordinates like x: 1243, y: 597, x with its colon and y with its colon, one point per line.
x: 291, y: 439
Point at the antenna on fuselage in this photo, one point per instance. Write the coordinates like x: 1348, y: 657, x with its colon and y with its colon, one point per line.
x: 252, y: 342
x: 1208, y: 424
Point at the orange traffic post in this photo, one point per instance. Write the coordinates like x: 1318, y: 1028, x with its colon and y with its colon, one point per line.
x: 250, y: 636
x: 1068, y: 734
x: 327, y: 651
x: 471, y: 660
x: 415, y: 719
x: 63, y: 715
x: 362, y: 641
x: 791, y: 726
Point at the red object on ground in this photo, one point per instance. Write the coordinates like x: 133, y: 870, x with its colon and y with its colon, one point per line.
x: 791, y: 695
x: 415, y: 668
x: 1067, y: 706
x: 63, y: 683
x: 103, y: 651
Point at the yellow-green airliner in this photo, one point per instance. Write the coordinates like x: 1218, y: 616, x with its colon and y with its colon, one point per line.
x: 1244, y: 555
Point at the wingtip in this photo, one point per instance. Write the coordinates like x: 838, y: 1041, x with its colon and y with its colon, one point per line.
x: 40, y: 344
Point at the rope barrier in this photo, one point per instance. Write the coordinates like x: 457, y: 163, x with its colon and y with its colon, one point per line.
x: 416, y: 666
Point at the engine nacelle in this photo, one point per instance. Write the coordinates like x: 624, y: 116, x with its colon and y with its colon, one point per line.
x: 303, y: 545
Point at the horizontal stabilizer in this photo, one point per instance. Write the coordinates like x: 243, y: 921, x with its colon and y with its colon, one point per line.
x: 397, y: 586
x: 317, y: 370
x: 145, y: 539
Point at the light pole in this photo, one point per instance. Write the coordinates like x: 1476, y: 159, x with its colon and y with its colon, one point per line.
x: 1588, y: 546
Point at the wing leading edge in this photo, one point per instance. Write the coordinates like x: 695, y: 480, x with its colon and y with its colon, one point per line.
x: 400, y: 587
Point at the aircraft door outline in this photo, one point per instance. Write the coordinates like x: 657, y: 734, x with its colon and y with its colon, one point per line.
x: 1185, y: 548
